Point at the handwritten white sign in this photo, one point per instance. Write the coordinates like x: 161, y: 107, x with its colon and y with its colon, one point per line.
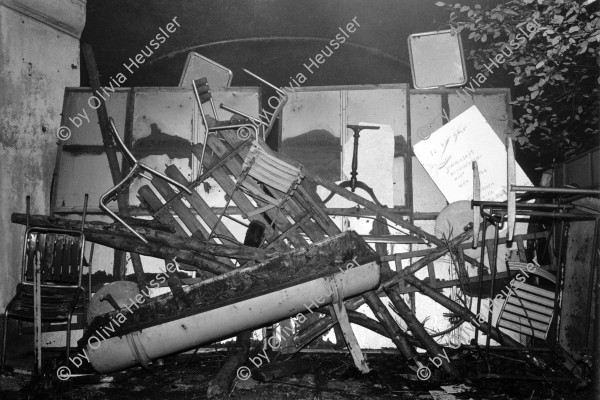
x: 447, y: 156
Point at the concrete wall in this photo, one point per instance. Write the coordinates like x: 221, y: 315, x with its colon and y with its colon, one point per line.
x: 39, y: 57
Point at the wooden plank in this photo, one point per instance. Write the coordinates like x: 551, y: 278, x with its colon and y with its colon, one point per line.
x: 198, y: 203
x: 398, y: 261
x: 521, y: 249
x: 285, y: 233
x: 205, y: 175
x: 321, y: 218
x: 302, y: 204
x: 432, y: 278
x: 226, y: 183
x: 152, y: 201
x: 293, y: 209
x: 239, y: 198
x: 424, y: 252
x: 188, y: 219
x: 511, y: 178
x: 341, y: 315
x: 442, y: 284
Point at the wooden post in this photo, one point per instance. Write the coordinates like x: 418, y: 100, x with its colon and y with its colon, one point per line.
x: 220, y: 384
x: 390, y: 325
x: 418, y: 330
x: 113, y: 162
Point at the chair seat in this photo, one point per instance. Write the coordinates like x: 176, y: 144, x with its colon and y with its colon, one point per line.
x: 56, y: 302
x: 528, y: 310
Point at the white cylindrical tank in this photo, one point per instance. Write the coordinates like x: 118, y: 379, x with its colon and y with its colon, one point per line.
x: 141, y: 347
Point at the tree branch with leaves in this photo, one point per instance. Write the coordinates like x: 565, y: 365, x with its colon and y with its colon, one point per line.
x: 555, y: 73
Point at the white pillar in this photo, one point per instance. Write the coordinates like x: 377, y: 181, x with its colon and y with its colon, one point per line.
x: 39, y: 57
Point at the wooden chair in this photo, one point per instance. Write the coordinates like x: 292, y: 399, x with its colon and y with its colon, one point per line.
x: 137, y: 169
x: 266, y: 167
x: 50, y: 289
x: 528, y: 309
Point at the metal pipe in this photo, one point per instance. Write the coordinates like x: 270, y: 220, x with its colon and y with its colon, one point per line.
x: 493, y: 265
x: 502, y: 204
x: 512, y: 348
x: 395, y: 239
x: 516, y: 188
x: 590, y: 294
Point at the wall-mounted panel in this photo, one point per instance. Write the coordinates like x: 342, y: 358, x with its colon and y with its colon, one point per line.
x: 165, y: 122
x: 429, y: 110
x: 314, y: 121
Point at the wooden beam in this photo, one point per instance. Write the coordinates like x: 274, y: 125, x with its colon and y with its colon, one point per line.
x: 113, y: 162
x: 100, y: 230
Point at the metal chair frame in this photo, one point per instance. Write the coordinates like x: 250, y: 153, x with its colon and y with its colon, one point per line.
x: 266, y: 127
x: 137, y: 169
x: 528, y: 306
x: 204, y: 95
x: 38, y: 285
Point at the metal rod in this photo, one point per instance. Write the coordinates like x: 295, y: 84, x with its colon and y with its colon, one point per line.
x: 516, y: 188
x: 502, y: 204
x: 234, y: 111
x: 596, y: 348
x: 593, y: 268
x: 264, y: 81
x: 480, y: 273
x: 512, y: 348
x: 527, y: 378
x: 493, y: 265
x: 547, y: 214
x: 464, y: 246
x: 395, y: 239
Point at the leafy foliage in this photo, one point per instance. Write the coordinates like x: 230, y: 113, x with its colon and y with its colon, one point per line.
x: 554, y: 71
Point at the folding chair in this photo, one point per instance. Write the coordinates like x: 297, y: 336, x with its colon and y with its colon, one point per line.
x: 266, y: 127
x: 50, y: 289
x: 203, y: 94
x: 137, y: 168
x: 268, y: 168
x: 528, y: 309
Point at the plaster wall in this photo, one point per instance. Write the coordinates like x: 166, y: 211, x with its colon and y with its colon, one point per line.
x: 39, y: 57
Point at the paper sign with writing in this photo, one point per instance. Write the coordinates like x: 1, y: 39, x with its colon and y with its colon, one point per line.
x: 447, y: 156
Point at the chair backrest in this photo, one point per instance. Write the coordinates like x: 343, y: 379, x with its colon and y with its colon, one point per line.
x: 117, y: 138
x: 528, y: 309
x: 203, y: 94
x: 268, y: 168
x: 58, y: 253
